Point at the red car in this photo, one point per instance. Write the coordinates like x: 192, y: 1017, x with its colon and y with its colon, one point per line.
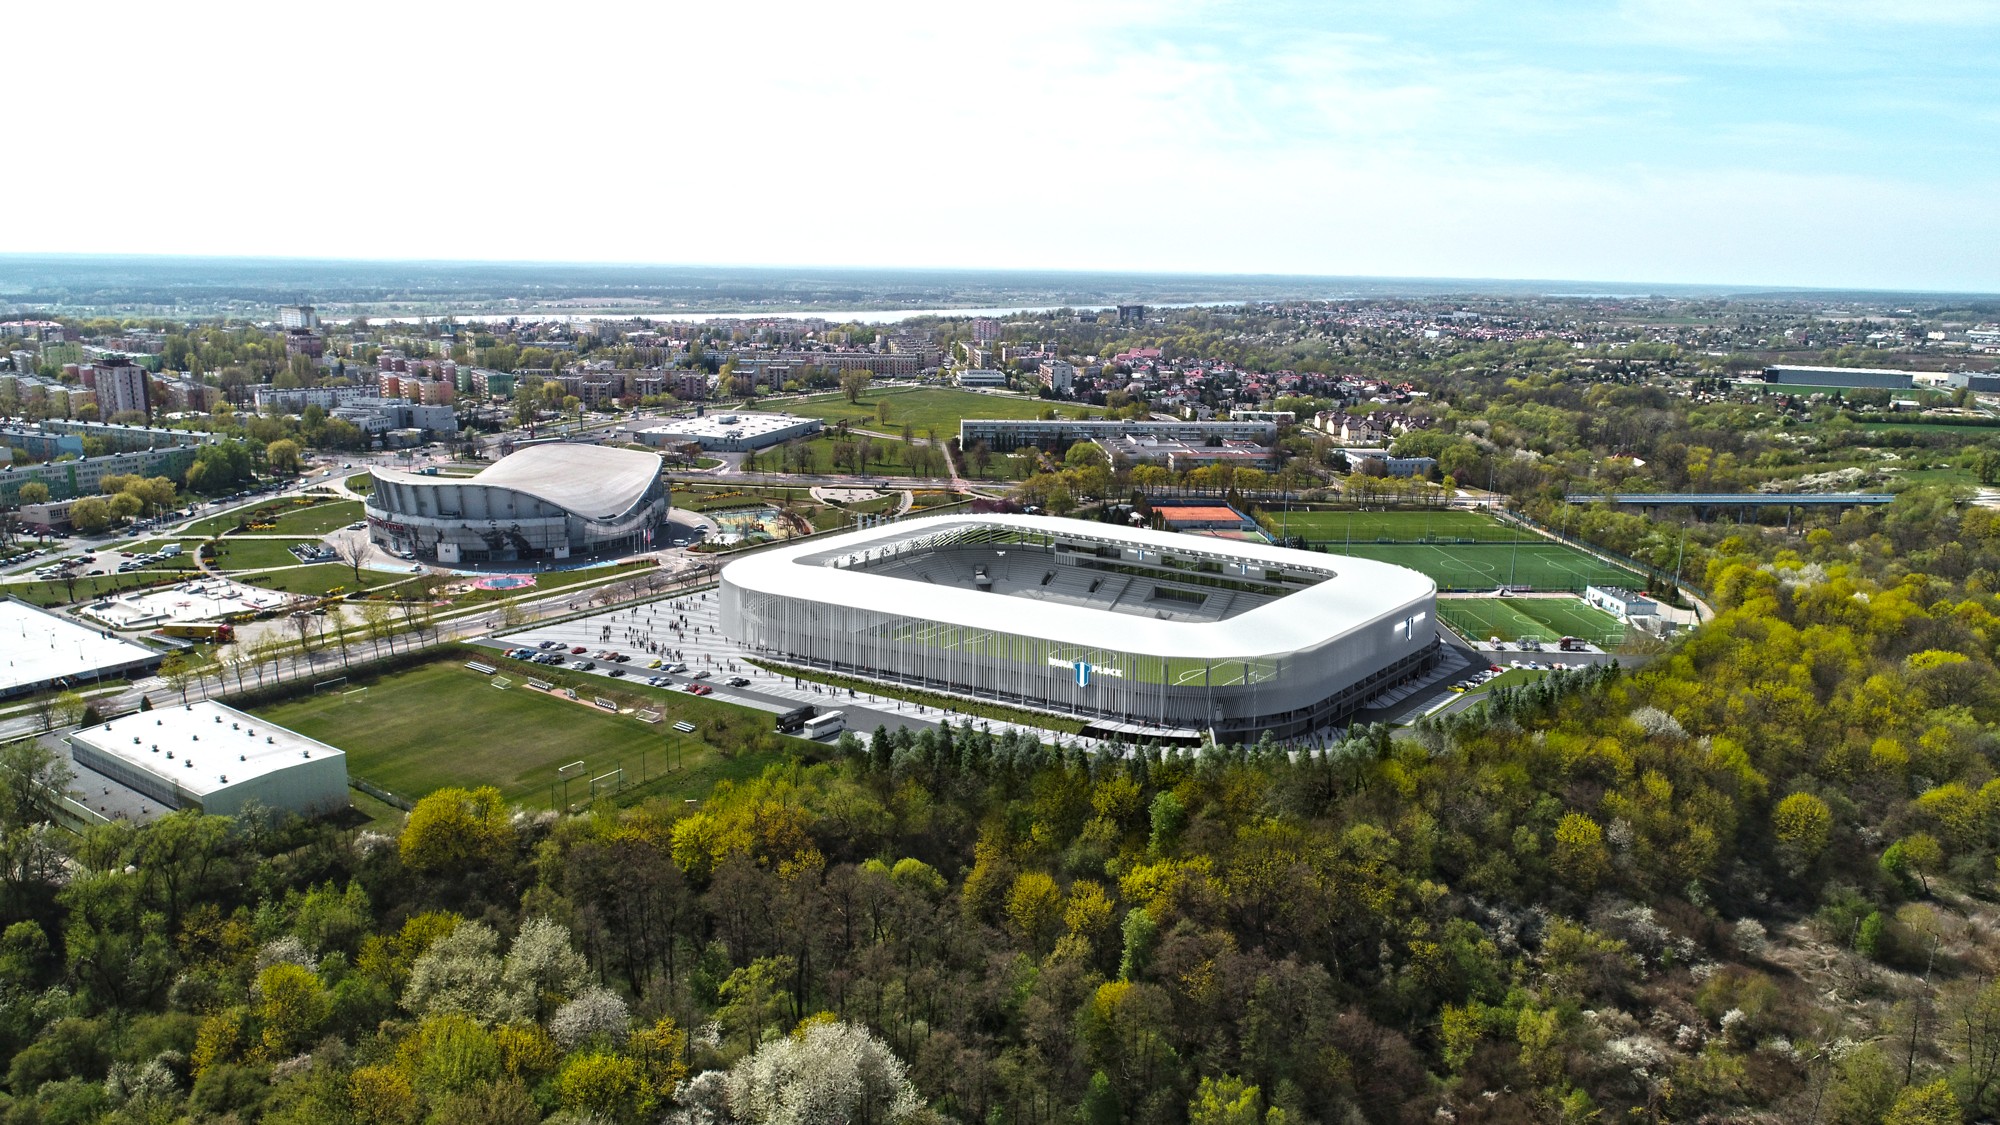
x: 700, y: 689
x: 577, y: 651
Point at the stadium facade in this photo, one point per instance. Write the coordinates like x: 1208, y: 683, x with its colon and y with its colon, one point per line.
x: 1141, y: 633
x: 543, y: 502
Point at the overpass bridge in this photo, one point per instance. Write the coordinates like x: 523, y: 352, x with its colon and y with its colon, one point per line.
x: 1732, y: 499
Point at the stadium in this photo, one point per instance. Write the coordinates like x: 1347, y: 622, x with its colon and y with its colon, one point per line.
x: 1143, y: 634
x: 543, y: 502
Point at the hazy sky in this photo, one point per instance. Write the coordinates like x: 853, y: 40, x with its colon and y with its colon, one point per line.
x: 1803, y: 142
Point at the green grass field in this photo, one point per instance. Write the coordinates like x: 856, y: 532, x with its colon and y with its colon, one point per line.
x: 238, y: 553
x: 92, y: 588
x: 1542, y: 566
x: 443, y: 724
x: 321, y: 578
x: 885, y: 458
x: 1398, y: 526
x: 925, y: 408
x: 1547, y: 619
x: 318, y: 519
x: 291, y: 518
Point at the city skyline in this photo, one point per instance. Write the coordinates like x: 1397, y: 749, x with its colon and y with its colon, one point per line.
x: 1770, y: 143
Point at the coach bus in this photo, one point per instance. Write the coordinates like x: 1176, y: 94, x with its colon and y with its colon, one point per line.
x: 791, y: 721
x: 819, y: 726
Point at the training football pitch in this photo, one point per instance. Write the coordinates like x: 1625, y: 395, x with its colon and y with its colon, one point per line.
x: 1405, y: 526
x: 1546, y: 619
x: 444, y: 724
x: 1488, y: 566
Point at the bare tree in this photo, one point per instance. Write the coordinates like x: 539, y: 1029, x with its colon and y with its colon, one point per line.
x: 352, y: 550
x: 174, y: 670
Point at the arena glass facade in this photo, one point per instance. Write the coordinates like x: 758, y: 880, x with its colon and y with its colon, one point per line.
x: 544, y: 502
x: 1139, y: 630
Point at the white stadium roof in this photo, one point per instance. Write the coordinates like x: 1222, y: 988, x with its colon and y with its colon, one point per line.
x: 1358, y: 592
x: 594, y: 481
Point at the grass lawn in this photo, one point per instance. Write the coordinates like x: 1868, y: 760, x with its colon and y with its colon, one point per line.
x: 443, y: 724
x: 885, y: 457
x: 722, y: 498
x: 321, y: 578
x: 1548, y: 619
x: 1512, y: 677
x: 1542, y: 566
x: 556, y: 580
x: 288, y: 516
x: 1394, y: 526
x: 94, y: 587
x: 926, y: 408
x: 235, y: 553
x: 316, y: 520
x: 360, y: 482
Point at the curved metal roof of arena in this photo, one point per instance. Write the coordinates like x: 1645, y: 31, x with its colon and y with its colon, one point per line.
x: 1353, y: 593
x: 592, y: 481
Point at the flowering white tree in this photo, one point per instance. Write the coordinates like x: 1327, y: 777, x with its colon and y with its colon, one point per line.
x: 542, y: 969
x: 460, y: 972
x: 833, y: 1074
x: 597, y: 1011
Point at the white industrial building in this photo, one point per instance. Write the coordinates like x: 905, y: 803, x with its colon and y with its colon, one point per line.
x: 1625, y: 605
x: 733, y: 432
x: 40, y: 651
x: 214, y: 758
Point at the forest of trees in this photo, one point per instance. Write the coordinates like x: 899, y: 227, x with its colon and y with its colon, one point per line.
x: 1609, y: 895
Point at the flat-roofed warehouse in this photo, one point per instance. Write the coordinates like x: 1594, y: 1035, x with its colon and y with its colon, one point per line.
x: 1858, y: 378
x: 551, y: 501
x: 1137, y: 630
x: 734, y: 431
x: 40, y: 651
x: 212, y: 757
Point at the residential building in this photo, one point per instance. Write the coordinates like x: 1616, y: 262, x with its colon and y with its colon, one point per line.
x: 121, y: 387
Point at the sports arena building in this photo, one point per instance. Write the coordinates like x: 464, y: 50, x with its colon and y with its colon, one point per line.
x: 1145, y: 633
x: 544, y: 502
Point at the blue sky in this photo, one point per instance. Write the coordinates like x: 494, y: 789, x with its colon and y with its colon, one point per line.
x: 1785, y: 142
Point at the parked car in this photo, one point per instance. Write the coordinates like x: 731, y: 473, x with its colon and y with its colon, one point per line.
x: 739, y: 681
x: 577, y: 651
x: 587, y: 666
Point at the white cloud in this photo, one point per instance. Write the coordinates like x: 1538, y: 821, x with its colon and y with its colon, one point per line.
x: 1043, y: 134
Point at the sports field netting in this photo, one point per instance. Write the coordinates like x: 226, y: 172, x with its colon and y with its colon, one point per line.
x: 1420, y: 526
x: 1546, y: 619
x: 1488, y: 566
